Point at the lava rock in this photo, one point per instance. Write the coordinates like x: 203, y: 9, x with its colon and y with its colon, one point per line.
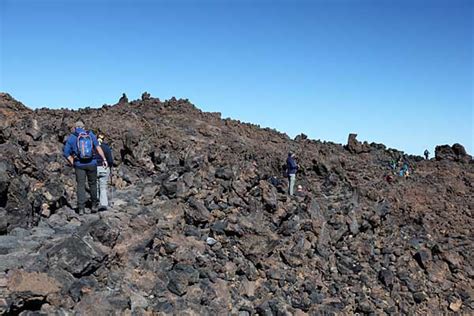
x: 423, y: 257
x: 198, y: 213
x: 186, y: 178
x: 76, y: 256
x: 387, y: 278
x: 224, y: 173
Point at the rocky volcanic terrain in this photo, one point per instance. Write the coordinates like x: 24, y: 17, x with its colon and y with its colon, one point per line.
x: 199, y: 226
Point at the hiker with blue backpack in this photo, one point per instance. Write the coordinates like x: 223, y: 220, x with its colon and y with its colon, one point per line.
x: 103, y: 172
x: 79, y: 152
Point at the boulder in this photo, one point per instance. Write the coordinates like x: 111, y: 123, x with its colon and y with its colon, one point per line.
x: 76, y: 255
x: 123, y: 99
x: 197, y: 213
x: 354, y: 146
x: 457, y: 152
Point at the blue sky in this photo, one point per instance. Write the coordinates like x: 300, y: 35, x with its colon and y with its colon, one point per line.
x: 395, y: 72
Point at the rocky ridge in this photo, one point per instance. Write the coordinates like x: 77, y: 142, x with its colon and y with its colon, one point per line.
x: 200, y: 226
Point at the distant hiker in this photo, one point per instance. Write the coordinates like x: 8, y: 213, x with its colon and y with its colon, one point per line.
x: 103, y: 172
x: 145, y: 96
x: 427, y: 154
x: 404, y: 170
x: 79, y: 152
x: 393, y: 164
x: 291, y: 168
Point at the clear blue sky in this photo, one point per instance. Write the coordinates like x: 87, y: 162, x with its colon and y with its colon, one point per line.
x: 395, y: 72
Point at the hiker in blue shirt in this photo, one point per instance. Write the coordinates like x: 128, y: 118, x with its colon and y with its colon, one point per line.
x: 79, y: 152
x: 291, y: 168
x: 103, y: 172
x: 404, y: 170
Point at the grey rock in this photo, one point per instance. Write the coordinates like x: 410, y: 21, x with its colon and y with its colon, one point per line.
x: 198, y: 213
x: 387, y: 278
x: 422, y: 257
x: 224, y: 173
x: 76, y: 255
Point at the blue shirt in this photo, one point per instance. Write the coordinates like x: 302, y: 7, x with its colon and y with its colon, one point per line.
x: 70, y: 148
x: 291, y: 165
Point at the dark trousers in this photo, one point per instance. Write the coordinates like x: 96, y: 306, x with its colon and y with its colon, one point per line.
x: 89, y: 172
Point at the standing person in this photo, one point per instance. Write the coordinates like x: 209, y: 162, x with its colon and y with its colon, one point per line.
x: 404, y: 170
x: 291, y: 168
x: 393, y: 164
x: 79, y: 152
x: 427, y: 154
x: 103, y: 172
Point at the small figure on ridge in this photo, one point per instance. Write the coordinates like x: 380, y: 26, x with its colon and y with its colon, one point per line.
x: 427, y: 154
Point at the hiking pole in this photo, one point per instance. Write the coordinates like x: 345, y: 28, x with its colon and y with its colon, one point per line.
x: 111, y: 189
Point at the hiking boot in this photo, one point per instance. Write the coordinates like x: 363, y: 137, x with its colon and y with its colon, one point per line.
x: 80, y: 211
x: 102, y: 208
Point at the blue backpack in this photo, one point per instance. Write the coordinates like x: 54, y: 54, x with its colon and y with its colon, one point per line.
x: 85, y: 146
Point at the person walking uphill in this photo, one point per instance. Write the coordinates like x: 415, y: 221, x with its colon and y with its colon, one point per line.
x: 103, y: 172
x: 79, y: 152
x: 291, y: 168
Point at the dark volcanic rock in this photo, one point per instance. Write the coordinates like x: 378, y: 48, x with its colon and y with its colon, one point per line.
x: 197, y: 213
x: 123, y: 98
x: 178, y: 283
x: 181, y: 277
x: 387, y: 278
x: 76, y: 256
x: 224, y: 173
x: 200, y: 222
x: 457, y: 152
x: 356, y: 147
x: 423, y: 257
